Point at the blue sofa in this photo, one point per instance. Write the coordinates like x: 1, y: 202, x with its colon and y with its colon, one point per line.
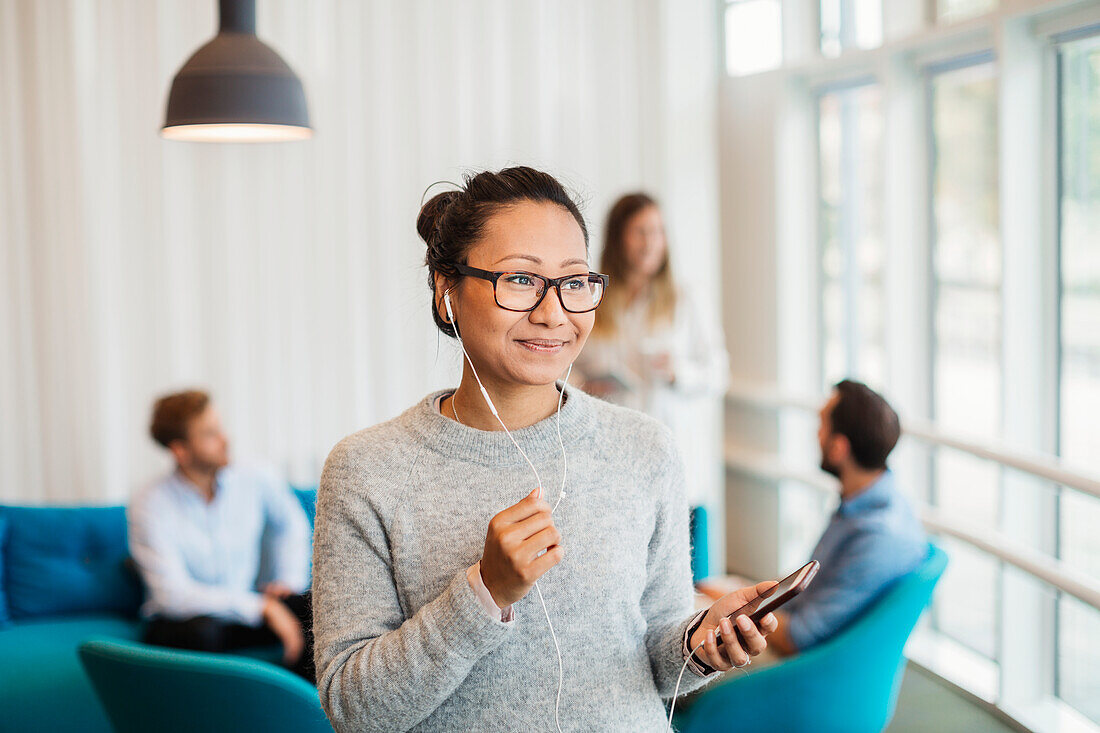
x: 65, y: 576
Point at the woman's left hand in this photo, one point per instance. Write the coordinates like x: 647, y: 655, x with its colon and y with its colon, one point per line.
x: 731, y: 653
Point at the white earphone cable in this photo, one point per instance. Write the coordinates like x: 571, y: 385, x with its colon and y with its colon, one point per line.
x: 557, y: 422
x: 561, y: 495
x: 538, y: 483
x: 676, y: 692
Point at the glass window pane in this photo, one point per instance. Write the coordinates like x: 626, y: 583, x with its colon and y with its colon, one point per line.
x: 966, y: 335
x: 1079, y: 439
x: 1080, y: 360
x: 967, y: 597
x: 1080, y: 266
x: 754, y: 36
x: 847, y: 24
x: 966, y: 252
x: 1079, y: 656
x: 832, y: 312
x: 951, y: 11
x: 852, y: 257
x: 968, y: 487
x: 830, y: 28
x: 1079, y: 541
x: 967, y: 376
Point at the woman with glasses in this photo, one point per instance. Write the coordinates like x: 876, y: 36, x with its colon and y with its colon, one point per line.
x: 432, y: 528
x: 652, y: 348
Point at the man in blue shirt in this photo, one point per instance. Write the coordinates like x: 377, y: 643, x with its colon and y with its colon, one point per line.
x: 872, y: 539
x: 198, y: 537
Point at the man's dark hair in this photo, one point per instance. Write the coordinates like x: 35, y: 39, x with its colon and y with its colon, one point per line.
x: 172, y: 413
x: 868, y: 422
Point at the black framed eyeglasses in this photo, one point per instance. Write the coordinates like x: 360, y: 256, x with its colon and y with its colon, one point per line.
x: 520, y: 291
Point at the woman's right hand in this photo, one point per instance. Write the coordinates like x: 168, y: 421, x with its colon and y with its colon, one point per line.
x: 511, y: 561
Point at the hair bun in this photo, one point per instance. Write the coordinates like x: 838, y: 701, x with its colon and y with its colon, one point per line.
x: 431, y: 213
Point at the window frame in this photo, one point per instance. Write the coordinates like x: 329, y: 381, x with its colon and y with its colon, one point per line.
x: 852, y: 340
x: 1057, y: 42
x: 930, y: 73
x: 1024, y: 689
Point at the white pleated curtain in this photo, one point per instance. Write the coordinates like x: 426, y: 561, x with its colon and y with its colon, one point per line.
x: 288, y: 278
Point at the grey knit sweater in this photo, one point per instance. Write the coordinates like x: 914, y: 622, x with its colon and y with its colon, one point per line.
x: 402, y: 641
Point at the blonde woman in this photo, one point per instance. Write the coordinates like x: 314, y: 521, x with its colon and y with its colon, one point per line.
x: 652, y: 349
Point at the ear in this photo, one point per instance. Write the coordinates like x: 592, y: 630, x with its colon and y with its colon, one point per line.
x: 840, y: 449
x: 179, y: 451
x: 442, y: 284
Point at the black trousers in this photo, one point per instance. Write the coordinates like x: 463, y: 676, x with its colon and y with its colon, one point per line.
x: 209, y: 634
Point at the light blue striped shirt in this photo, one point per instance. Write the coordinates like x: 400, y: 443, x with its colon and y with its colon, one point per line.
x: 872, y: 540
x: 200, y: 558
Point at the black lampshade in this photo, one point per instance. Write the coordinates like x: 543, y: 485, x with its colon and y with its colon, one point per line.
x: 236, y: 88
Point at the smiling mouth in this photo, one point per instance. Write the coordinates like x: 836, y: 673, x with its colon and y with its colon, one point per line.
x: 542, y: 346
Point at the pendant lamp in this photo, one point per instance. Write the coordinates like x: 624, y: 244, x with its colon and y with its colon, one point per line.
x: 236, y: 88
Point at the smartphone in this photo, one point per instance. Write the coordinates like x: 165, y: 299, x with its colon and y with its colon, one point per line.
x: 773, y: 598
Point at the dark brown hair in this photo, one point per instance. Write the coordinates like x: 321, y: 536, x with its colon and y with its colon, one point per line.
x: 868, y: 422
x: 613, y: 262
x: 173, y: 412
x: 453, y: 221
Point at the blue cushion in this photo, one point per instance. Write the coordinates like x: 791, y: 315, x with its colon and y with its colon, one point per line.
x: 5, y: 617
x: 62, y: 560
x: 700, y: 544
x: 307, y: 495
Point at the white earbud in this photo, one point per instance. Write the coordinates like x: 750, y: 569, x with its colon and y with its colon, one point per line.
x: 447, y: 304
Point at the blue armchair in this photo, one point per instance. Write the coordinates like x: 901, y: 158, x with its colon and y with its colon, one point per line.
x: 848, y: 684
x: 145, y: 688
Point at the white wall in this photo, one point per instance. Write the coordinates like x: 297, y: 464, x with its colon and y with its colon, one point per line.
x: 288, y: 279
